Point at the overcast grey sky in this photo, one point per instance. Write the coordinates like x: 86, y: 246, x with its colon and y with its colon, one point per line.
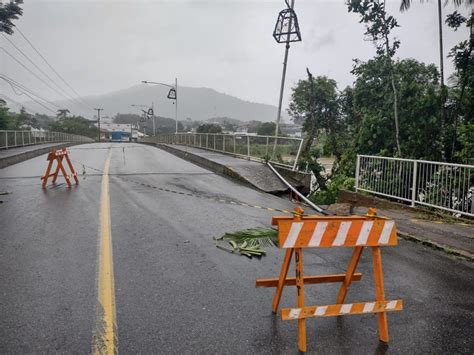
x: 105, y: 45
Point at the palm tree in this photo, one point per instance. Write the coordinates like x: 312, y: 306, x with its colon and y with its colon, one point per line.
x: 405, y: 5
x: 62, y: 113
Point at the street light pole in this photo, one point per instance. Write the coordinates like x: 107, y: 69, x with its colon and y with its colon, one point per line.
x: 153, y: 109
x: 176, y: 102
x: 286, y: 26
x: 175, y: 89
x: 283, y: 76
x: 98, y: 119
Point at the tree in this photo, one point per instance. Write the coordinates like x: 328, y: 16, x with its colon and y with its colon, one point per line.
x: 23, y: 119
x: 405, y: 5
x: 127, y: 118
x: 314, y: 103
x: 348, y: 130
x: 267, y: 129
x: 209, y: 128
x: 461, y: 94
x: 419, y: 97
x: 62, y: 113
x: 5, y: 117
x: 8, y: 12
x: 75, y: 125
x: 378, y: 27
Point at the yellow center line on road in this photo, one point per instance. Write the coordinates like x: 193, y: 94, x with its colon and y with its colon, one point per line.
x: 105, y: 332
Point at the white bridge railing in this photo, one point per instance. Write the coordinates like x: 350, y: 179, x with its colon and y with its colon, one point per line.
x: 12, y: 139
x: 287, y: 149
x: 445, y: 186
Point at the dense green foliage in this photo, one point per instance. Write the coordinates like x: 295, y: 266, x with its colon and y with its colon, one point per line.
x: 209, y: 128
x: 434, y: 122
x: 267, y: 129
x: 75, y: 125
x: 22, y: 120
x: 26, y: 121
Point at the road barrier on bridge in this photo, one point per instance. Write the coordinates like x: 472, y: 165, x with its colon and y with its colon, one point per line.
x: 358, y: 232
x: 255, y: 147
x: 58, y: 156
x: 12, y: 139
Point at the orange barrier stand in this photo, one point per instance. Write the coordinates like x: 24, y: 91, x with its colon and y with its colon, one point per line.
x: 58, y: 156
x: 356, y: 232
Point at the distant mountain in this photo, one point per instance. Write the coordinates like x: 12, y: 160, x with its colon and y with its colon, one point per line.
x: 195, y: 103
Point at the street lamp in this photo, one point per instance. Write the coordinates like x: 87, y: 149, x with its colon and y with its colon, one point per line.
x: 141, y: 120
x: 150, y: 113
x: 172, y: 94
x: 286, y: 30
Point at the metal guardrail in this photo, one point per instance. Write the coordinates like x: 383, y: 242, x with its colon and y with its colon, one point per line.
x: 246, y: 146
x: 12, y: 139
x: 445, y: 186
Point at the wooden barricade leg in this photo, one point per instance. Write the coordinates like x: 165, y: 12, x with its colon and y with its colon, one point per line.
x: 71, y: 168
x: 56, y: 173
x: 380, y: 293
x: 300, y: 298
x: 66, y: 176
x: 46, y: 175
x: 281, y: 281
x: 351, y: 268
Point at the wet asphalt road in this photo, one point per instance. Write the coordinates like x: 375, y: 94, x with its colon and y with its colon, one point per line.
x: 175, y: 291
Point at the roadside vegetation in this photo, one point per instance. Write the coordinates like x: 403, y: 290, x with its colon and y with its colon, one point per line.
x: 396, y: 107
x: 61, y: 123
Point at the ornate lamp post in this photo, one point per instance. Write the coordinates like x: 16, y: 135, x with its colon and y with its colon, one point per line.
x: 286, y: 30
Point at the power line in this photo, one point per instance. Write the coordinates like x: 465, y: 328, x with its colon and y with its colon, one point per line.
x: 39, y: 69
x: 24, y: 88
x: 33, y: 73
x: 49, y: 65
x: 27, y: 92
x: 32, y: 112
x: 39, y: 103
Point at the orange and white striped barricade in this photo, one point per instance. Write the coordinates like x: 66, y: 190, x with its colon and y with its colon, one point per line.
x: 358, y: 232
x: 58, y: 156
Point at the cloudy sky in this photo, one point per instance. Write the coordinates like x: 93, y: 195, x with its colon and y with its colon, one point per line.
x: 100, y: 46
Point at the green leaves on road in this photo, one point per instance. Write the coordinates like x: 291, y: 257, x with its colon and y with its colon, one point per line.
x: 249, y: 242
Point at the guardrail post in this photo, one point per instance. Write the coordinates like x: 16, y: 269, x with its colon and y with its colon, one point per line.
x: 214, y: 141
x: 234, y: 144
x: 248, y: 146
x: 23, y: 138
x: 15, y: 138
x: 223, y: 142
x: 357, y: 173
x: 414, y: 185
x: 297, y: 154
x: 6, y: 139
x: 472, y: 204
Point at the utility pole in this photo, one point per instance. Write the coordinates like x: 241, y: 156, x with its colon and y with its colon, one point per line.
x: 98, y: 119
